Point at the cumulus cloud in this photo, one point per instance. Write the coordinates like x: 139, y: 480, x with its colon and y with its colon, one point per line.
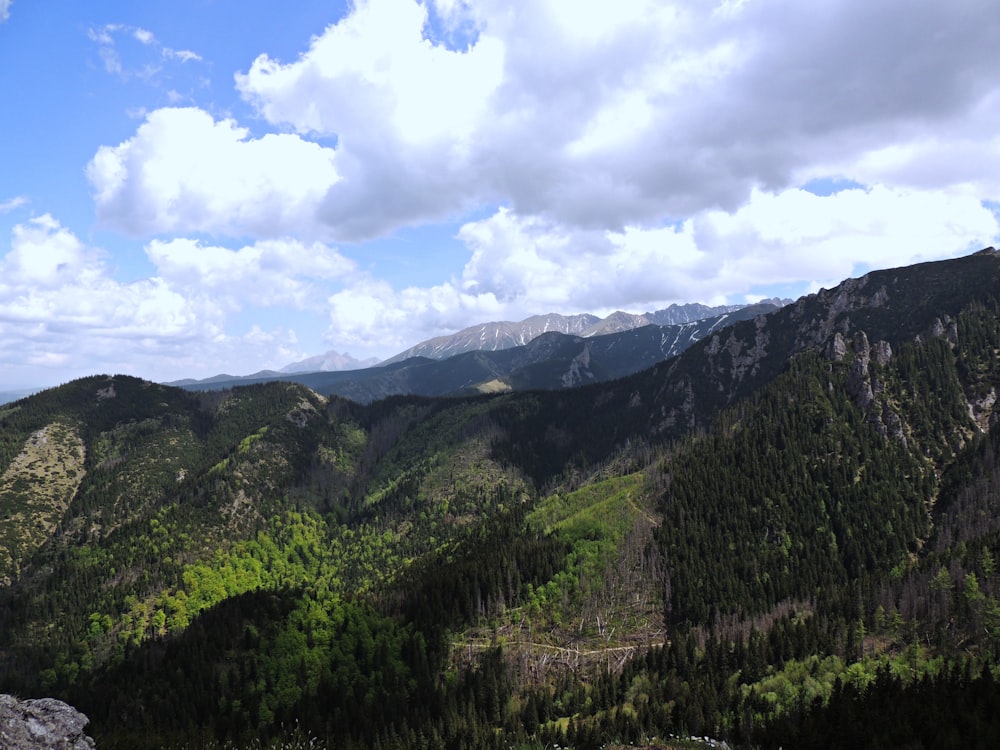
x: 590, y: 114
x: 521, y: 266
x: 602, y: 115
x: 372, y: 316
x: 406, y: 114
x: 5, y: 9
x: 625, y: 155
x: 796, y: 235
x: 62, y: 312
x: 183, y: 171
x: 430, y: 93
x: 270, y: 272
x: 967, y: 160
x: 49, y: 278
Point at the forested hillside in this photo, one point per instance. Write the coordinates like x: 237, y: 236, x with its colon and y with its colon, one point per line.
x: 772, y: 539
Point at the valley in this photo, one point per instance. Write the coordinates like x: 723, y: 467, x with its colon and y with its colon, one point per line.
x: 784, y: 535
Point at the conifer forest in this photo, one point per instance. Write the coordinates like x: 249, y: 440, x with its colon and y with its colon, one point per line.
x: 786, y: 536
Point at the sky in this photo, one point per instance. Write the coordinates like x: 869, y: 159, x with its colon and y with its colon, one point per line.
x: 192, y: 187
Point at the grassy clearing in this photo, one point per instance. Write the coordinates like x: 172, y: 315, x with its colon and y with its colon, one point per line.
x: 494, y: 386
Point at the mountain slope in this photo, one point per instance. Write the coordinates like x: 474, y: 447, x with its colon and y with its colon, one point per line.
x: 506, y: 334
x: 549, y: 361
x: 683, y: 393
x: 36, y: 490
x: 797, y: 502
x: 331, y: 361
x: 497, y: 336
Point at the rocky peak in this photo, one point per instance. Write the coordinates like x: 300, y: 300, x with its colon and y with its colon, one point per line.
x: 859, y: 383
x: 836, y: 348
x: 882, y: 351
x: 43, y: 724
x: 946, y: 329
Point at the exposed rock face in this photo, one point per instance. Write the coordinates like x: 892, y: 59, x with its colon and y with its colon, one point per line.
x: 859, y: 383
x: 43, y: 724
x: 882, y: 351
x: 946, y: 329
x: 862, y: 384
x: 735, y: 358
x: 836, y: 348
x: 579, y: 369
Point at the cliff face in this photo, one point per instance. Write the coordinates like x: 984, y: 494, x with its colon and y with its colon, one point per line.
x: 44, y: 724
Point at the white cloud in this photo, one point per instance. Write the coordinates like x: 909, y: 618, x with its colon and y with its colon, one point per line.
x: 144, y: 36
x: 270, y: 272
x: 106, y: 47
x: 601, y: 115
x: 110, y: 54
x: 12, y: 203
x: 51, y: 279
x: 522, y: 266
x: 407, y: 115
x: 376, y: 70
x: 5, y: 9
x: 969, y: 166
x: 184, y: 55
x: 371, y: 316
x: 642, y: 152
x: 62, y: 314
x: 185, y: 172
x: 43, y: 254
x: 593, y: 115
x: 795, y: 235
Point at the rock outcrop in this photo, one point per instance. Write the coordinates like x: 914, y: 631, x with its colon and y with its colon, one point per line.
x: 43, y: 724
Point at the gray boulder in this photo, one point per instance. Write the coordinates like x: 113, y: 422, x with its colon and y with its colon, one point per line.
x: 43, y: 724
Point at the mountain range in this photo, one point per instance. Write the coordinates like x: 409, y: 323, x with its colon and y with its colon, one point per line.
x: 506, y: 335
x: 550, y: 360
x: 331, y: 361
x: 785, y: 535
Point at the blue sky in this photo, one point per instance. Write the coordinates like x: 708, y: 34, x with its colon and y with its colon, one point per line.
x: 204, y: 186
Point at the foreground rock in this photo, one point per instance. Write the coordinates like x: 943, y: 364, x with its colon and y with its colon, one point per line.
x: 44, y: 724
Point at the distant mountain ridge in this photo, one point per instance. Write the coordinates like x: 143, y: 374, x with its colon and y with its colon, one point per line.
x: 551, y: 360
x: 330, y: 361
x: 499, y: 335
